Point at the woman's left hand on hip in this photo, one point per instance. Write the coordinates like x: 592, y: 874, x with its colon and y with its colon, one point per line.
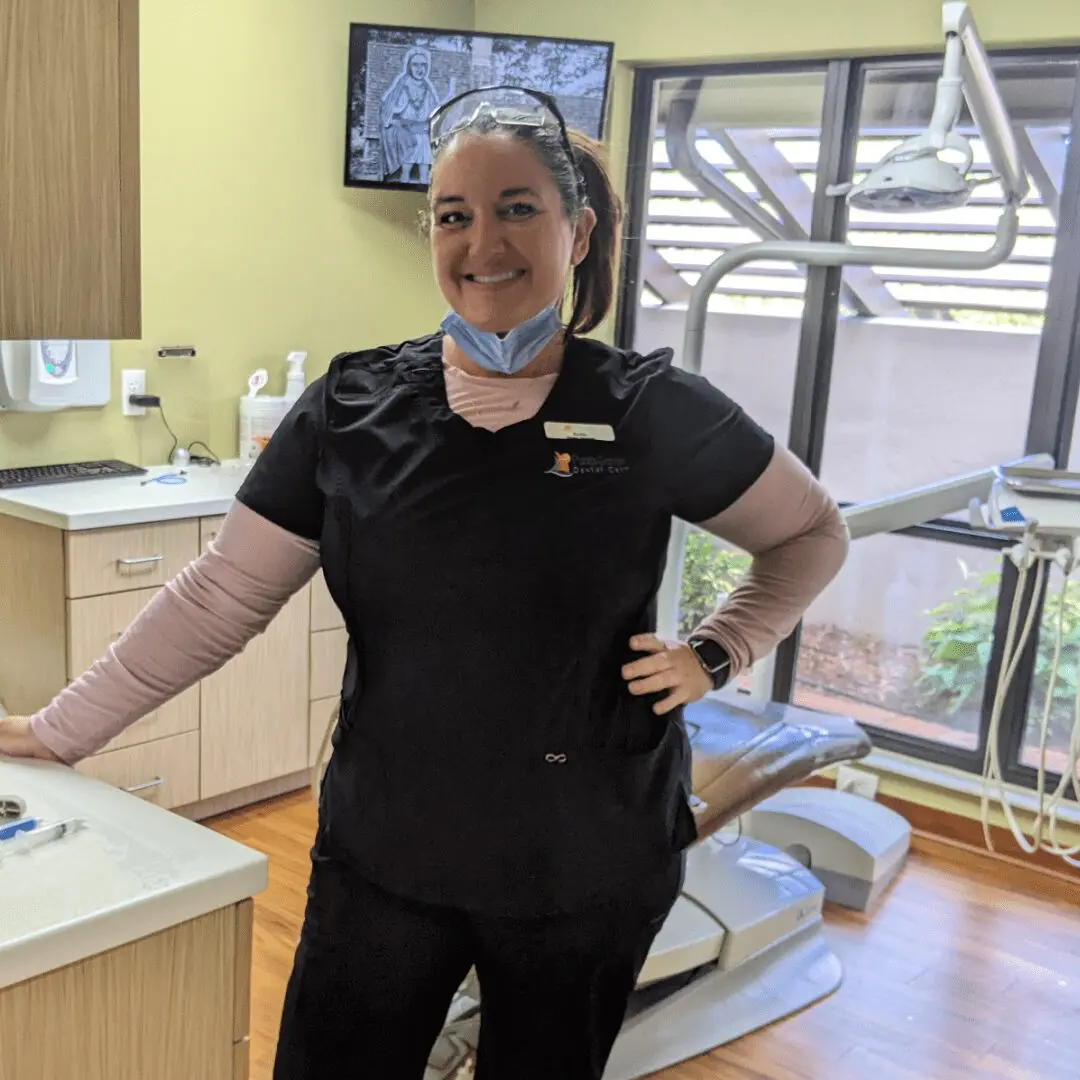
x: 669, y: 665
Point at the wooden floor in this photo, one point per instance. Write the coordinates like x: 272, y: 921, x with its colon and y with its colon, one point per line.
x: 965, y: 971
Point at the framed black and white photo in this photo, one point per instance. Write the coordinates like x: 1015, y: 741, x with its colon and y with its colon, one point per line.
x: 399, y: 75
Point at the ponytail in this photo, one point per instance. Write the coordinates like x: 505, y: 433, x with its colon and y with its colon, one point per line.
x: 594, y: 276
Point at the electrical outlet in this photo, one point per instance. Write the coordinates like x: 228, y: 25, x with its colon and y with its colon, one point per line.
x: 857, y: 781
x: 132, y: 382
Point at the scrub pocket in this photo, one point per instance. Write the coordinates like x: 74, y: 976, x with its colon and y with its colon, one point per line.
x: 631, y: 809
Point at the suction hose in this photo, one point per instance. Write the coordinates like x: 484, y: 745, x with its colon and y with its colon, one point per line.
x: 1044, y: 831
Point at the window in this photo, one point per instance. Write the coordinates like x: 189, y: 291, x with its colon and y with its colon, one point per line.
x: 1061, y: 612
x: 901, y: 640
x: 751, y: 143
x: 934, y: 376
x: 880, y: 378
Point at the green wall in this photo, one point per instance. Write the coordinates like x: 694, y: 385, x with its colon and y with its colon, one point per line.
x: 251, y: 245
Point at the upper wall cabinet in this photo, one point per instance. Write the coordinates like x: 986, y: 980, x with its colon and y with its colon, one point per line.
x: 69, y: 169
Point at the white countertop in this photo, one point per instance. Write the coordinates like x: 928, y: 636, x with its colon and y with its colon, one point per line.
x: 99, y: 504
x: 133, y: 871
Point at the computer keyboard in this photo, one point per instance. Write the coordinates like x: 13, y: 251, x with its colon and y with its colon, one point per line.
x: 33, y: 475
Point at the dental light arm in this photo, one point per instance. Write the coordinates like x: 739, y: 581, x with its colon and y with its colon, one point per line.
x: 829, y: 254
x: 917, y: 505
x: 950, y: 92
x: 984, y: 99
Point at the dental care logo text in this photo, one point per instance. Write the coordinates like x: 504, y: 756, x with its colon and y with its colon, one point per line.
x: 586, y: 465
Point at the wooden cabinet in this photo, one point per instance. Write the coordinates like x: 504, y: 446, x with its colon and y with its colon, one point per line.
x: 329, y: 642
x: 172, y: 1006
x: 65, y: 596
x: 101, y: 561
x: 162, y: 771
x: 254, y: 711
x: 69, y: 169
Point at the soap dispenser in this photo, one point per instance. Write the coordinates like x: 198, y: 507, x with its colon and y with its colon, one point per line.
x: 294, y: 379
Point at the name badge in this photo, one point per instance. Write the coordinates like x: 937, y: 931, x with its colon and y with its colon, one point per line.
x: 597, y: 432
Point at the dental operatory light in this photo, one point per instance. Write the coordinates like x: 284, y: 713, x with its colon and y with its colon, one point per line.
x: 914, y: 177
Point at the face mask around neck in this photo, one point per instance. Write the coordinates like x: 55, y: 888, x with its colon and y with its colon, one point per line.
x: 509, y: 354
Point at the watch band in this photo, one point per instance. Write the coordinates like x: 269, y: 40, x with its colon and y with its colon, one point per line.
x: 713, y: 658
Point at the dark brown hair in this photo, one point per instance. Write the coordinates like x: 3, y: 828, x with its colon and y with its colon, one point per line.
x: 594, y: 277
x: 582, y: 181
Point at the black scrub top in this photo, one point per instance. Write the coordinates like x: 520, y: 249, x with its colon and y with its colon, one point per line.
x: 489, y: 754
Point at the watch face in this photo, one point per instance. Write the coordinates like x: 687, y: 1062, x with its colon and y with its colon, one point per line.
x: 712, y: 656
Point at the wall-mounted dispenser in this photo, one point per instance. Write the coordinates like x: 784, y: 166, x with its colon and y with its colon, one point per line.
x: 43, y: 376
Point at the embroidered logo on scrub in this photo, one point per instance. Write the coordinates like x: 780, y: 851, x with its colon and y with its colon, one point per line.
x: 586, y: 465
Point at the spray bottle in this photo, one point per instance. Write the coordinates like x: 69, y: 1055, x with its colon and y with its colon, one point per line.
x: 294, y: 379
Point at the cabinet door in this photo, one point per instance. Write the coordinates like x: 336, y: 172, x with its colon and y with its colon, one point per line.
x: 254, y: 711
x: 69, y: 169
x: 160, y: 1008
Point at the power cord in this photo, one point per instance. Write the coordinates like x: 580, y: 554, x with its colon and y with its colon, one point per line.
x: 153, y: 401
x: 212, y: 459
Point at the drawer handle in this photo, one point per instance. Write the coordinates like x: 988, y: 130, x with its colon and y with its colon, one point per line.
x: 156, y: 782
x: 141, y: 560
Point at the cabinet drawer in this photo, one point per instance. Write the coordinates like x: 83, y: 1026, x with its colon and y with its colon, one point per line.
x: 102, y: 561
x: 94, y: 622
x: 208, y: 530
x: 165, y: 772
x: 328, y: 649
x: 325, y: 614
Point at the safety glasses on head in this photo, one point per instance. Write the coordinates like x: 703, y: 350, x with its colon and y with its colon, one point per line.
x: 488, y: 107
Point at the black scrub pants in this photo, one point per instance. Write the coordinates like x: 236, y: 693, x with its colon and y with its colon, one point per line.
x: 374, y: 976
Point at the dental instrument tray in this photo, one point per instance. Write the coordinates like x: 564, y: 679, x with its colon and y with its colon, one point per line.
x: 1024, y: 498
x: 34, y: 475
x: 1050, y: 483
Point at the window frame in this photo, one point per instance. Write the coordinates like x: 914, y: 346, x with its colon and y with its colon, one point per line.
x: 1057, y: 379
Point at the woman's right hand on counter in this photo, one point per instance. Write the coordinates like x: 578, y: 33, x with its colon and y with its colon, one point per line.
x: 17, y: 740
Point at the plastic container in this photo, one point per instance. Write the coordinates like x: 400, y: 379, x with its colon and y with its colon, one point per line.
x: 260, y: 414
x: 259, y: 418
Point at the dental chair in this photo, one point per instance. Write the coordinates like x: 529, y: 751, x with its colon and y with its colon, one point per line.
x: 743, y: 945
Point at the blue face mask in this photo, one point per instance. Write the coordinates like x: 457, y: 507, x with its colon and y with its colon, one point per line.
x: 509, y: 354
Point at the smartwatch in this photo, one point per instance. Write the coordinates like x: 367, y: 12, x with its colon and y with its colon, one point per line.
x: 713, y: 658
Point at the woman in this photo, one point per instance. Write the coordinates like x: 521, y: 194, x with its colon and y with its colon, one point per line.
x: 406, y: 107
x: 491, y: 506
